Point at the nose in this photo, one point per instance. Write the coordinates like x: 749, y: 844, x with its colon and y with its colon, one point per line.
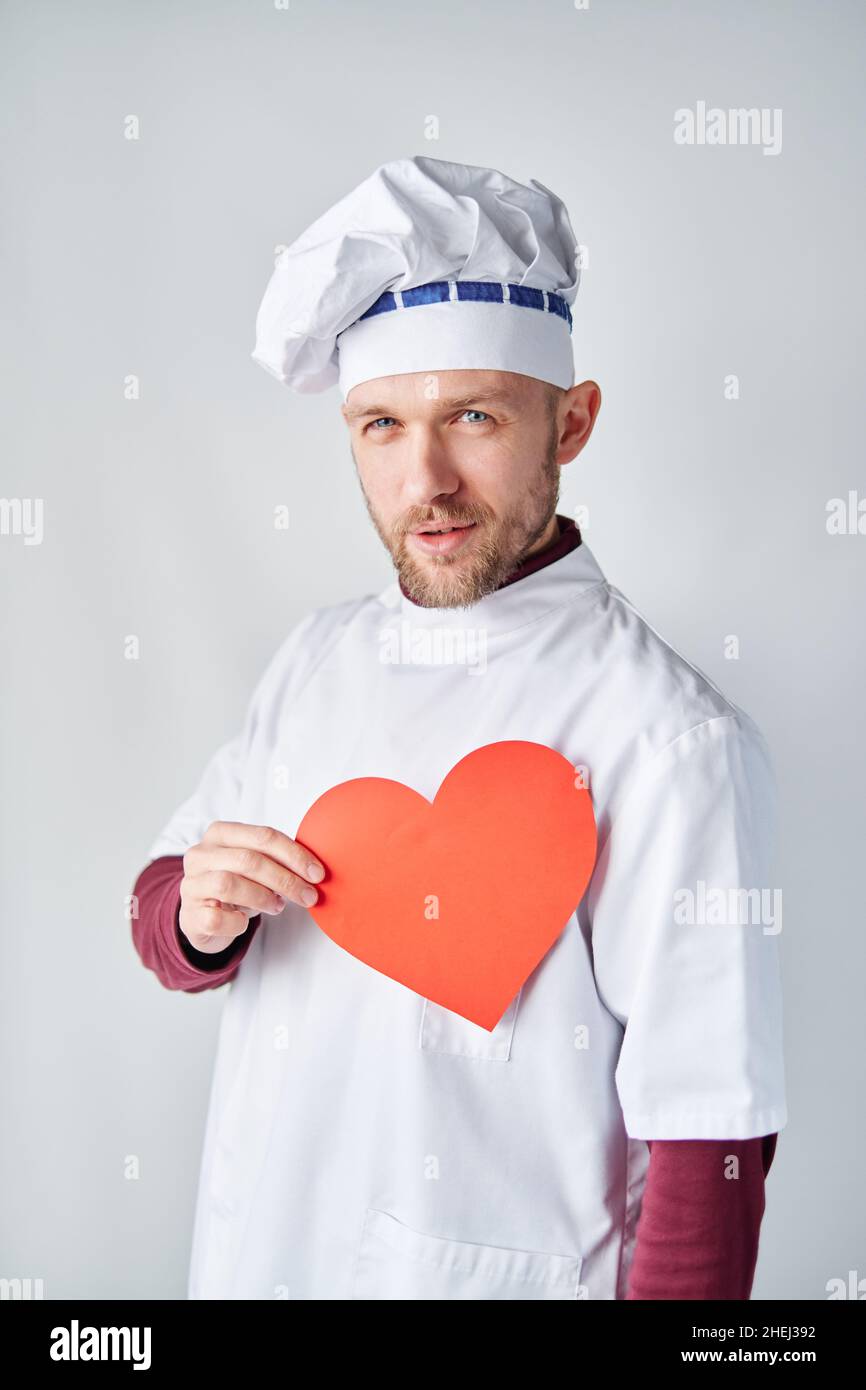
x: 429, y: 473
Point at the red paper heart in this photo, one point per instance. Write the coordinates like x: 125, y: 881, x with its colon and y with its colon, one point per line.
x: 504, y: 854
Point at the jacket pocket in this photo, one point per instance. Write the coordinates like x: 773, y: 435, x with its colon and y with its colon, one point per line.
x: 444, y: 1031
x: 396, y: 1262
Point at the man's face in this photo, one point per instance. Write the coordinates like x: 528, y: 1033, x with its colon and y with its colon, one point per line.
x: 477, y: 452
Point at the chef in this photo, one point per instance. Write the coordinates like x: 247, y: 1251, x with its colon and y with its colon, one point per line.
x: 362, y: 1141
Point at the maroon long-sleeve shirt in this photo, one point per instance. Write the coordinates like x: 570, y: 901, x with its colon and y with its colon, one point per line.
x: 700, y: 1218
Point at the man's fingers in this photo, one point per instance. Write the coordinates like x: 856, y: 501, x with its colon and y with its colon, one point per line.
x: 237, y: 870
x: 267, y: 841
x: 248, y: 865
x: 226, y: 886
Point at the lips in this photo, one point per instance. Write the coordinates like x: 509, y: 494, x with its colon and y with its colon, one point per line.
x: 441, y: 537
x: 441, y: 542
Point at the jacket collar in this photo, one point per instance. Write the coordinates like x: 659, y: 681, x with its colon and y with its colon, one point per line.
x: 531, y: 593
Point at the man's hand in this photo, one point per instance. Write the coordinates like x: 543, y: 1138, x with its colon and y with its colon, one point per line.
x: 237, y: 871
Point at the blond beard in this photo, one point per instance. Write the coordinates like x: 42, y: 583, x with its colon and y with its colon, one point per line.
x: 459, y: 582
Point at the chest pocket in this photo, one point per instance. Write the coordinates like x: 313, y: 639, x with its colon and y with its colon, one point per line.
x: 452, y: 1035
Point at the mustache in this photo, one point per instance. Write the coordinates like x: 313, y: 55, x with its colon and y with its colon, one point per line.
x: 455, y: 516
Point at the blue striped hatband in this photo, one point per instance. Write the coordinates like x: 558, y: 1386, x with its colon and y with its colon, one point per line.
x: 438, y: 291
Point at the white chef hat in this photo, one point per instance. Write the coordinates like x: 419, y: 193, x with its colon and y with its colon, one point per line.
x: 425, y: 266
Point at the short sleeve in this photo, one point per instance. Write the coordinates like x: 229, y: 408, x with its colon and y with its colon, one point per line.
x: 685, y: 924
x: 220, y: 787
x: 217, y: 797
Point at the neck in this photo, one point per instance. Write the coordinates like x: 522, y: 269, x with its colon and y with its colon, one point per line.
x: 551, y: 534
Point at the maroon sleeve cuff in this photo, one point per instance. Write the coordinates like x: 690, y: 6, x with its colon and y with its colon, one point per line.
x: 161, y: 944
x: 697, y: 1233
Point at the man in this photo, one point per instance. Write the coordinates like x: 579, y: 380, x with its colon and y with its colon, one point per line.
x: 609, y: 1137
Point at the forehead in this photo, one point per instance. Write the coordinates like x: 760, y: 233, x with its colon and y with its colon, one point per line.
x: 426, y: 393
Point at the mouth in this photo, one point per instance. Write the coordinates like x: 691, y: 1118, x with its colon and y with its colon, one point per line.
x: 442, y: 539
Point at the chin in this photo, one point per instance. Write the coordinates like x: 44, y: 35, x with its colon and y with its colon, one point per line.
x: 445, y: 585
x: 451, y: 581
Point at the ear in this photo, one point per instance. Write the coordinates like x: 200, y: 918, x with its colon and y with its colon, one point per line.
x: 579, y: 411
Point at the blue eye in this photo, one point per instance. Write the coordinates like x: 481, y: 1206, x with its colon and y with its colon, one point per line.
x: 477, y: 412
x: 383, y: 417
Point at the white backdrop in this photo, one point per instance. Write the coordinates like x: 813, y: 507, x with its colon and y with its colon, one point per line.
x: 146, y: 258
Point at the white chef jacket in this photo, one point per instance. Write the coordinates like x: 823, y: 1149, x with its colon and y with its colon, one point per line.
x: 365, y: 1143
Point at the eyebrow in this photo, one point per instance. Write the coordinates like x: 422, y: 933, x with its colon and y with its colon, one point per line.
x: 357, y: 412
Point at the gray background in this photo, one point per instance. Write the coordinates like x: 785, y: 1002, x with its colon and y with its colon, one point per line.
x: 150, y: 257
